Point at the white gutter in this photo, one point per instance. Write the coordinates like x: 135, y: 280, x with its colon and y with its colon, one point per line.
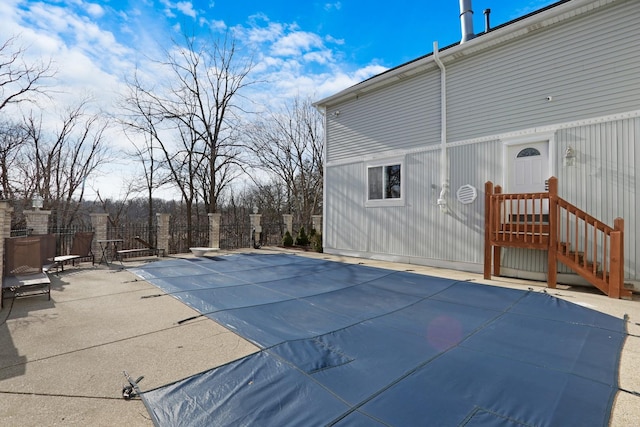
x: 444, y: 161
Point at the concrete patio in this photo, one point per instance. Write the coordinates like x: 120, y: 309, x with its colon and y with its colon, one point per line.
x: 62, y: 361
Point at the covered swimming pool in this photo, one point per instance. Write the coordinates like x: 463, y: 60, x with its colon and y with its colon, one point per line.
x: 344, y: 344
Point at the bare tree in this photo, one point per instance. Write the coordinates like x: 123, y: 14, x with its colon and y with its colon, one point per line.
x: 181, y: 159
x: 193, y: 118
x: 146, y: 152
x: 19, y: 80
x: 209, y: 78
x: 289, y: 144
x: 62, y: 160
x: 12, y: 138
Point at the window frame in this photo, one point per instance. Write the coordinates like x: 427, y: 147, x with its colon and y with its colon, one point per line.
x: 386, y: 162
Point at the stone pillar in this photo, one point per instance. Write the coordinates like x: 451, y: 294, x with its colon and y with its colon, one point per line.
x: 162, y: 220
x: 38, y: 221
x: 255, y: 228
x: 5, y: 231
x: 288, y: 223
x: 99, y: 223
x: 317, y: 223
x: 214, y: 230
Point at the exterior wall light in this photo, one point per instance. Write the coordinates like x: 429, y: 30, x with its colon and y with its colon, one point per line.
x: 570, y: 157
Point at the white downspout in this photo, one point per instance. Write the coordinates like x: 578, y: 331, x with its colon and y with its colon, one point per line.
x: 444, y: 163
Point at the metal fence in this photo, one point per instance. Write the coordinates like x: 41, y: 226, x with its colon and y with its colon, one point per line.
x: 64, y: 238
x: 232, y: 236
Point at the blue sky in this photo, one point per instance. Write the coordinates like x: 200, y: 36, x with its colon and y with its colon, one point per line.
x: 331, y: 44
x: 314, y: 48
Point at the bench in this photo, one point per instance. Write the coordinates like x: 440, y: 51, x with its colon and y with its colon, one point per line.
x: 153, y: 251
x: 147, y: 248
x: 59, y: 261
x: 80, y: 249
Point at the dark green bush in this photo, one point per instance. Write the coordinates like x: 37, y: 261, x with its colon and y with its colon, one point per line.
x: 287, y: 240
x: 302, y: 239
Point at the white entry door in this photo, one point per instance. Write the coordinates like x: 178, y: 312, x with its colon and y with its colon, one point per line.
x: 528, y: 171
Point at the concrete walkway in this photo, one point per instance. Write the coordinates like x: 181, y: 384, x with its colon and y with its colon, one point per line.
x: 61, y: 361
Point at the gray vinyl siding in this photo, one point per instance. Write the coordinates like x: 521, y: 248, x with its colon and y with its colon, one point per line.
x: 344, y: 201
x: 604, y: 183
x: 397, y: 117
x: 419, y: 229
x: 589, y: 65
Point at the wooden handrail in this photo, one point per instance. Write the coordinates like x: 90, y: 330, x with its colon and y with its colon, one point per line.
x: 591, y: 248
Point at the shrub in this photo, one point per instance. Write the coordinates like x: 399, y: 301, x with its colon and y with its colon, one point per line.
x: 302, y: 239
x: 287, y: 240
x: 316, y: 242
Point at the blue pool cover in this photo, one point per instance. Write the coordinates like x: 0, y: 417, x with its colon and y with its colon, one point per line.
x: 351, y: 345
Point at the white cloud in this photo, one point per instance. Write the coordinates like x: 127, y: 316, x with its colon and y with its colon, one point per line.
x: 186, y: 7
x: 257, y: 34
x: 296, y: 43
x: 333, y: 40
x: 94, y: 9
x: 320, y: 57
x: 217, y: 25
x: 333, y: 6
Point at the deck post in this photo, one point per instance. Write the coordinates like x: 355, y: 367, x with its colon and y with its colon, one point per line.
x: 616, y: 277
x: 497, y: 250
x: 488, y: 191
x: 552, y: 251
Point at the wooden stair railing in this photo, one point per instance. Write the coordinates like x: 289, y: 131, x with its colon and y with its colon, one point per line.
x: 589, y: 247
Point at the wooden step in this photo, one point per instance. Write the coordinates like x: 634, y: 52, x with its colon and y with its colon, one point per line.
x: 531, y: 218
x: 581, y: 260
x: 529, y: 227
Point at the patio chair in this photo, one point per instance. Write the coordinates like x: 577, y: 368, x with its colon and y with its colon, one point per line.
x: 47, y: 251
x: 23, y: 275
x: 80, y: 249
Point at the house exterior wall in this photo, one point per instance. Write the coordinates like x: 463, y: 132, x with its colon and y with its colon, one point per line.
x: 588, y: 64
x: 396, y: 117
x: 603, y: 182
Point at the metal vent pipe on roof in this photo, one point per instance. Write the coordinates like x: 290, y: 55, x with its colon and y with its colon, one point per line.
x: 466, y: 20
x: 487, y: 24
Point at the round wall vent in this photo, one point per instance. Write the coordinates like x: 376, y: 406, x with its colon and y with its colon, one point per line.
x: 467, y: 194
